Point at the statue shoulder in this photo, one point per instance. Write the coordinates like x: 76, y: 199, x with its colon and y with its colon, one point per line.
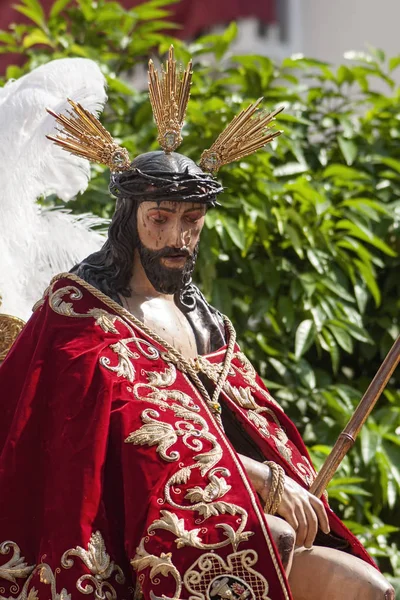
x: 73, y: 309
x: 206, y: 321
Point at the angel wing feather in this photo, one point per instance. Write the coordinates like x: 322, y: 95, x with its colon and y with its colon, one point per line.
x: 37, y: 243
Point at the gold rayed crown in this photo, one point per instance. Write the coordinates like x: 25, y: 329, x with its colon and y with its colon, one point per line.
x: 169, y: 98
x: 82, y: 134
x: 246, y: 133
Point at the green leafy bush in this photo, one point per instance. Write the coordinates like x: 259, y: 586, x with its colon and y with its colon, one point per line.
x: 303, y: 255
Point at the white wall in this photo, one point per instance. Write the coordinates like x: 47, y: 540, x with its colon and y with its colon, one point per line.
x: 326, y: 29
x: 331, y: 27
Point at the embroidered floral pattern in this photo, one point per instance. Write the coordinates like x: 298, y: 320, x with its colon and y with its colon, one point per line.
x: 244, y: 398
x: 161, y: 379
x: 248, y: 372
x: 107, y: 321
x: 159, y: 565
x: 95, y: 558
x: 101, y: 568
x: 16, y: 567
x: 205, y: 500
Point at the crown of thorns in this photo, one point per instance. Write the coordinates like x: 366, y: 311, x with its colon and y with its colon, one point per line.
x: 162, y: 185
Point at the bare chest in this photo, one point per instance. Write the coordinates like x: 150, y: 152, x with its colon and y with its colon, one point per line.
x: 167, y: 321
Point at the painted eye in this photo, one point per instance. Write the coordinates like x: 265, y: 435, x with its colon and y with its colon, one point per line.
x: 193, y: 219
x: 159, y: 219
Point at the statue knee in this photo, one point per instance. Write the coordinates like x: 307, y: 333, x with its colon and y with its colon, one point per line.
x: 390, y: 594
x: 383, y: 590
x: 285, y: 543
x: 284, y: 537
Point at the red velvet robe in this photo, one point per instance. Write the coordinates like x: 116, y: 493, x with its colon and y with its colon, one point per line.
x: 116, y: 478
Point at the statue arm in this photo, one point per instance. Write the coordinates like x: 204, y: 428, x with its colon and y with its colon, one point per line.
x: 303, y: 511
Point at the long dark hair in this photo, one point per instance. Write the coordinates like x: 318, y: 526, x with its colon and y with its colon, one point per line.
x: 110, y: 269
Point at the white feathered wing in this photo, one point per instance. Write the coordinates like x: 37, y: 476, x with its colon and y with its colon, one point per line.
x: 37, y: 243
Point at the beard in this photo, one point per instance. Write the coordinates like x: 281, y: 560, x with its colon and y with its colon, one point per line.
x: 167, y: 280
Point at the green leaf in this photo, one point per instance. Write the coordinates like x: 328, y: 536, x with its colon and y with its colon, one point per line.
x: 33, y: 10
x: 306, y: 374
x: 358, y: 333
x: 6, y: 38
x: 13, y: 72
x: 342, y: 172
x: 390, y: 162
x: 222, y: 297
x: 295, y: 239
x: 342, y: 337
x: 37, y: 36
x: 354, y: 490
x: 230, y: 34
x: 278, y: 366
x: 290, y: 168
x: 378, y: 53
x: 369, y: 279
x: 317, y: 260
x: 88, y: 9
x: 361, y: 204
x: 369, y: 237
x: 348, y: 148
x: 152, y: 10
x: 336, y: 288
x: 332, y: 348
x: 337, y: 481
x: 57, y: 7
x: 394, y: 63
x: 370, y: 443
x: 286, y: 312
x: 119, y: 86
x: 305, y: 335
x: 344, y: 75
x: 236, y: 235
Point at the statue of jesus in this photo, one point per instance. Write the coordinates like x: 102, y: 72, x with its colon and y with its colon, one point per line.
x: 141, y: 455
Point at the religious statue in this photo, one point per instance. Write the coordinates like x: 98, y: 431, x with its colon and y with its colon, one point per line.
x: 141, y: 455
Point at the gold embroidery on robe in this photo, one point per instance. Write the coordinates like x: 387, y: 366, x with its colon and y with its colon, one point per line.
x: 204, y: 500
x: 240, y: 395
x: 106, y: 321
x: 249, y: 373
x: 101, y: 568
x: 208, y: 502
x: 243, y: 397
x: 161, y: 379
x: 16, y: 567
x: 211, y: 576
x: 95, y: 558
x: 159, y: 565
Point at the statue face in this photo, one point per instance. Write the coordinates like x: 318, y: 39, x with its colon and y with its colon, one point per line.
x: 169, y: 233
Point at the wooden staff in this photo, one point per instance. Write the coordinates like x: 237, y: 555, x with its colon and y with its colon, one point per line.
x: 348, y: 436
